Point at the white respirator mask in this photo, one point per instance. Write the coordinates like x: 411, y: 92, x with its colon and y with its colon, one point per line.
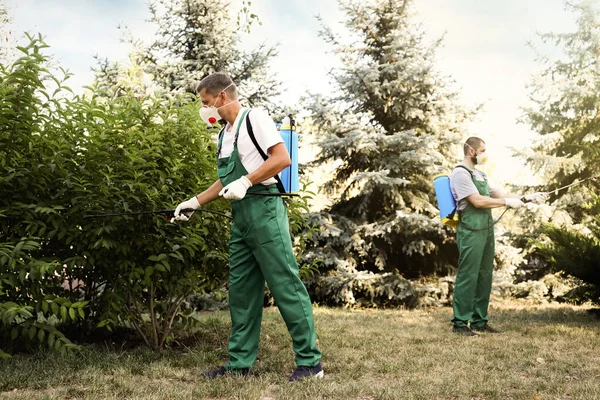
x: 480, y: 159
x: 210, y: 114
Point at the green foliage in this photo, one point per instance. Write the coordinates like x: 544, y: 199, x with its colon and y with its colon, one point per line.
x: 194, y: 38
x: 364, y: 289
x: 245, y: 18
x: 30, y: 316
x: 564, y: 110
x: 32, y: 303
x: 64, y: 158
x: 302, y: 229
x: 388, y: 130
x: 575, y: 251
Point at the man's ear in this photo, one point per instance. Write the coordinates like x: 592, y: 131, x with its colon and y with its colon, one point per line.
x: 224, y: 96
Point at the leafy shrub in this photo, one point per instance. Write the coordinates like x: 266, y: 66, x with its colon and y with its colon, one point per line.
x: 30, y: 314
x: 63, y: 158
x: 576, y: 254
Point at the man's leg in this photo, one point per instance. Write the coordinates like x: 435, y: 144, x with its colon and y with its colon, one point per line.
x: 470, y: 250
x: 246, y: 296
x: 484, y: 285
x: 273, y: 251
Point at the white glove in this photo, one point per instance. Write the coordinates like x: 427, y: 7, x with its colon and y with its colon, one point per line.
x: 513, y: 202
x: 237, y: 189
x: 186, y: 205
x: 537, y: 197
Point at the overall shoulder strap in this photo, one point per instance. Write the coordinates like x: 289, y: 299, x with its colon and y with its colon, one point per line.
x: 465, y: 168
x: 472, y: 172
x: 220, y: 142
x: 261, y: 152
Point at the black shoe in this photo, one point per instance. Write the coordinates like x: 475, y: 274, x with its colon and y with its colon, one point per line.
x: 303, y: 372
x: 487, y: 329
x: 222, y: 371
x: 463, y: 331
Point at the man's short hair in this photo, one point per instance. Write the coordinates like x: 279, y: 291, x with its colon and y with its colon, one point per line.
x: 474, y: 142
x: 216, y: 83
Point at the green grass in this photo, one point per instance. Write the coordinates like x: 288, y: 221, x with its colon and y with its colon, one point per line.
x: 550, y: 352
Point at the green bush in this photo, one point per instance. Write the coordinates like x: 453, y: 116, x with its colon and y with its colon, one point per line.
x: 303, y: 230
x: 575, y: 251
x: 32, y: 303
x: 576, y: 254
x: 63, y: 158
x: 29, y: 312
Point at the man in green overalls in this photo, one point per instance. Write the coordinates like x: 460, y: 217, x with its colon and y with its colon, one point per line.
x: 260, y: 246
x: 475, y: 198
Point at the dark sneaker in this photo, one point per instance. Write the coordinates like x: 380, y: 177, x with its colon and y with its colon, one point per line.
x: 487, y: 329
x: 222, y: 371
x: 303, y: 372
x: 463, y: 331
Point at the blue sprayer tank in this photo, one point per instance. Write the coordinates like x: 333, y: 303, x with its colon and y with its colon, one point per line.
x: 446, y: 203
x: 289, y: 176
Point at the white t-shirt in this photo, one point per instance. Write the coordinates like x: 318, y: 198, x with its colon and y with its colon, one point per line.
x: 462, y: 186
x: 266, y: 135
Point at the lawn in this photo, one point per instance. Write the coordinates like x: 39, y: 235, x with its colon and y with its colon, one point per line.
x: 546, y: 352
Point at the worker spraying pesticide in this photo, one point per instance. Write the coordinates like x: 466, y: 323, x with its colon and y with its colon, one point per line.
x: 250, y: 156
x: 472, y: 197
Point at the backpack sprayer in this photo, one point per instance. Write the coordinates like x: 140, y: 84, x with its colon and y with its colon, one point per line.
x: 447, y: 204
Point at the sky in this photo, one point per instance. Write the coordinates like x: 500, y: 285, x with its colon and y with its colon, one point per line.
x: 484, y: 50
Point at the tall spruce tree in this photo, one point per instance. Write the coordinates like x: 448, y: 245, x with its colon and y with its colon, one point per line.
x: 195, y: 38
x: 565, y: 98
x: 391, y: 125
x: 564, y: 111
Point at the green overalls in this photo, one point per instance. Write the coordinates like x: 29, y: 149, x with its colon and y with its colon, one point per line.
x: 476, y: 246
x: 260, y: 248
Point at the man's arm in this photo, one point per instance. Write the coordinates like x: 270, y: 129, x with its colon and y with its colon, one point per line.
x: 210, y: 194
x: 501, y: 194
x: 479, y: 201
x: 278, y: 160
x: 499, y: 198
